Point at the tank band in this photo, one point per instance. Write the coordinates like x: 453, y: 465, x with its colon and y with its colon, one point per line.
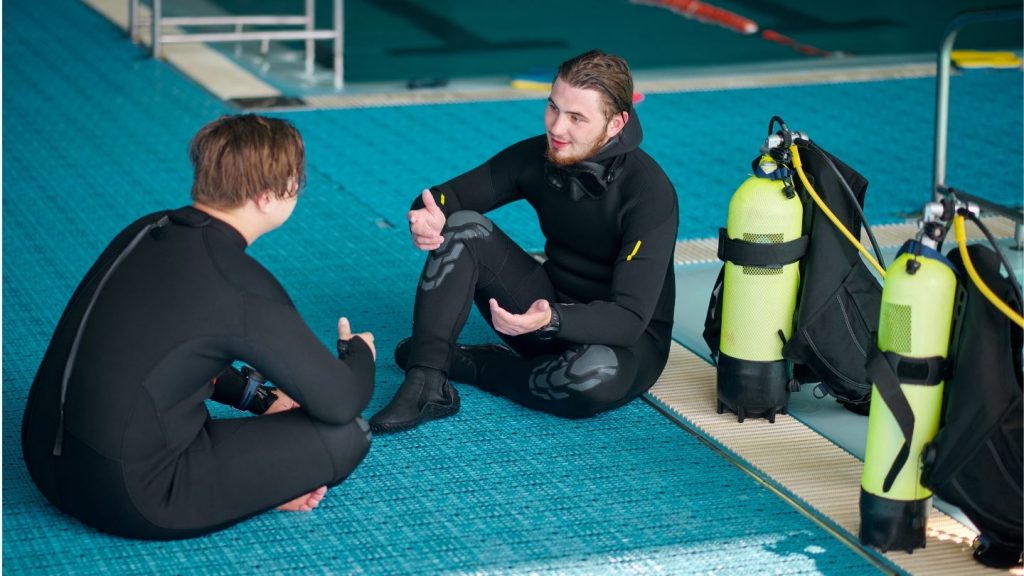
x: 743, y: 253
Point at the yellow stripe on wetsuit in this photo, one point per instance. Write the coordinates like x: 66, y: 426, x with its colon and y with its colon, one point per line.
x: 635, y: 250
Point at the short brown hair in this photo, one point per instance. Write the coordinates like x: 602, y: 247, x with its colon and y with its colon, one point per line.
x: 237, y: 158
x: 605, y: 73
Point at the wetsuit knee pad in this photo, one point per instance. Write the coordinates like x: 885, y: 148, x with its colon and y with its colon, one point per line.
x: 584, y: 379
x: 461, y: 227
x: 466, y: 223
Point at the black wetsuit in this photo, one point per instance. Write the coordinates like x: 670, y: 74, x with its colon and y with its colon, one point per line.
x: 610, y: 227
x: 140, y: 455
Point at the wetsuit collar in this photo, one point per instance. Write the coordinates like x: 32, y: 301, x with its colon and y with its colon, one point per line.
x: 190, y: 216
x: 195, y: 218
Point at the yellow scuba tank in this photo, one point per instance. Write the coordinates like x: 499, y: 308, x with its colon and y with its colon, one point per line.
x: 907, y: 370
x: 761, y: 246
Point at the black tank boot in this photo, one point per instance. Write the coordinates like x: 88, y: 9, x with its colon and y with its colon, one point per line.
x: 466, y: 359
x: 424, y: 395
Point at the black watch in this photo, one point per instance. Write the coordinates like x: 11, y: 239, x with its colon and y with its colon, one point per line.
x: 262, y: 399
x: 258, y: 395
x: 554, y: 326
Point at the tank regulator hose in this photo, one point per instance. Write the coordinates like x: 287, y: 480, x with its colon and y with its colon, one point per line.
x: 961, y: 240
x: 831, y: 216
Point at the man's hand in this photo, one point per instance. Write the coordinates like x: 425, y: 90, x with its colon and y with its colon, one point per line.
x: 426, y: 224
x: 345, y: 333
x: 505, y: 322
x: 283, y: 403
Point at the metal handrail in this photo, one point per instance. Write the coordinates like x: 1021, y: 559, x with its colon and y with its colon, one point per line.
x: 244, y: 36
x: 233, y: 20
x: 939, y: 187
x: 309, y: 33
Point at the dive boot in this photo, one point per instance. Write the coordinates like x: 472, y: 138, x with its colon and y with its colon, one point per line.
x: 465, y: 359
x: 424, y: 395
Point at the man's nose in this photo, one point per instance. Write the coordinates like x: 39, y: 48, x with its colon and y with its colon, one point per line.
x: 558, y: 125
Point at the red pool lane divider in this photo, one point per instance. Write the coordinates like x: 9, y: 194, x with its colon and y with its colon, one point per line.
x: 704, y: 12
x: 773, y: 36
x: 709, y: 14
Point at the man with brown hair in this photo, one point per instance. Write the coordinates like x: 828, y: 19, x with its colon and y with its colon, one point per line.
x: 116, y: 430
x: 589, y: 329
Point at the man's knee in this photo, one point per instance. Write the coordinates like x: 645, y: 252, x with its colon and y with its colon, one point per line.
x: 348, y: 445
x: 584, y: 381
x: 461, y: 228
x: 469, y: 222
x: 597, y: 400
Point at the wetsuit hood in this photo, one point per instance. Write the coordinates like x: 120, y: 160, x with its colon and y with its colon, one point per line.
x: 627, y: 140
x: 590, y: 178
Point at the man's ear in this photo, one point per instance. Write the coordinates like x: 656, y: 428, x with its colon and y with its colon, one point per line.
x: 617, y: 123
x: 262, y: 201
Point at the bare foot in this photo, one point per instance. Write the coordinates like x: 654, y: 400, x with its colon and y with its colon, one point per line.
x: 306, y: 502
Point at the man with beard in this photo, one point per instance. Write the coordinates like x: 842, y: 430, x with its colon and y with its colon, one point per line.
x: 589, y: 329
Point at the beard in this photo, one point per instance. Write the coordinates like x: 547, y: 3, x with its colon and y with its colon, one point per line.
x: 589, y: 151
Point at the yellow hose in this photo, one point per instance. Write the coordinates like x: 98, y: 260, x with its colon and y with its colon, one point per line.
x: 831, y: 216
x: 961, y: 240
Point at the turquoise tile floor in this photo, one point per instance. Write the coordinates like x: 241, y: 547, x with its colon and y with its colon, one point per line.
x: 95, y: 134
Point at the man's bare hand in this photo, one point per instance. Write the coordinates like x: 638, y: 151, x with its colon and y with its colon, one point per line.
x: 505, y: 322
x: 426, y: 224
x: 283, y: 403
x: 345, y: 333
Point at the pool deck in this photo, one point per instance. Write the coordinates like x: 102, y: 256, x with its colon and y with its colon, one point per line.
x: 821, y: 478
